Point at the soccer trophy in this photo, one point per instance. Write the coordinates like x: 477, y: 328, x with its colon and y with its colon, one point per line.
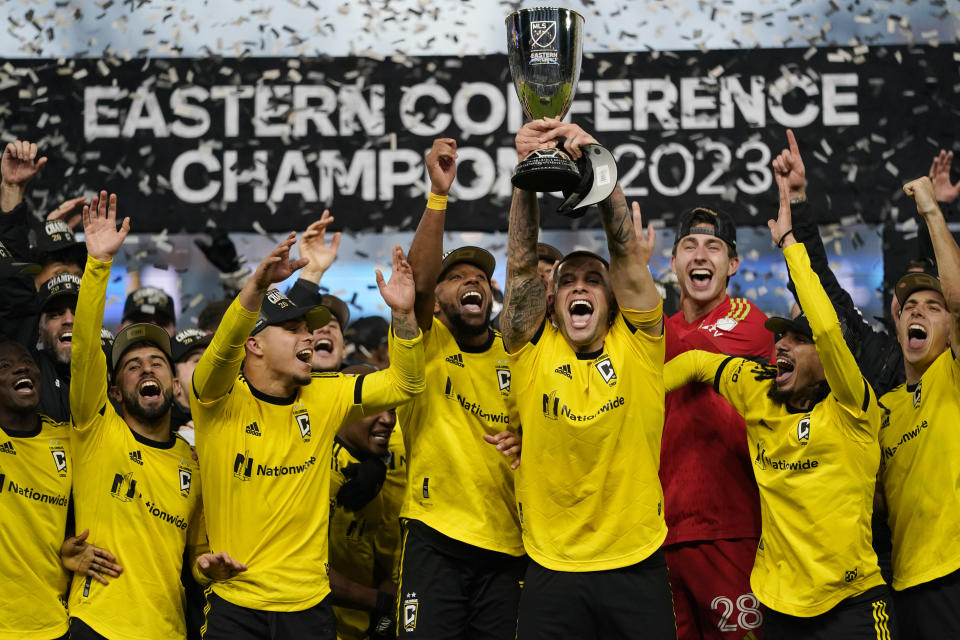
x: 544, y: 47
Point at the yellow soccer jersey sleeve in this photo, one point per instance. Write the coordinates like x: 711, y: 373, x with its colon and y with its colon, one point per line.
x: 352, y: 543
x: 388, y: 536
x: 920, y: 445
x: 460, y: 485
x: 127, y: 489
x: 268, y: 463
x: 588, y: 489
x: 35, y: 475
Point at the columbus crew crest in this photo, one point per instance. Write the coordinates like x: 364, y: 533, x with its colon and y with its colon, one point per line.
x: 303, y: 422
x: 59, y: 457
x: 185, y: 478
x: 803, y: 430
x: 916, y: 394
x: 606, y: 370
x: 410, y: 607
x: 503, y: 378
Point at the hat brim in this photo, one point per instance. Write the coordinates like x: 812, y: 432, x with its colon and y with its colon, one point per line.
x: 182, y: 352
x: 780, y: 326
x: 73, y: 293
x: 912, y: 282
x: 476, y: 256
x: 338, y: 308
x: 140, y: 332
x: 316, y: 317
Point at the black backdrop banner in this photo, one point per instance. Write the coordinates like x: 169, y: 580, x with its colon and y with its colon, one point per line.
x: 266, y: 143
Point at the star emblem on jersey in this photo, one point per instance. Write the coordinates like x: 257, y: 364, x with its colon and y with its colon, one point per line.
x: 503, y: 379
x: 605, y: 368
x: 60, y: 460
x: 564, y: 370
x: 456, y: 359
x: 803, y: 430
x: 7, y: 447
x: 135, y: 456
x: 916, y: 395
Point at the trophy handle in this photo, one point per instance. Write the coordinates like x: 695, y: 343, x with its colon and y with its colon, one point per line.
x: 597, y: 182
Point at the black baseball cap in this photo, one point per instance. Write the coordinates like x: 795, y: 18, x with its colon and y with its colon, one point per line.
x: 476, y: 256
x: 139, y: 332
x: 62, y: 285
x: 55, y: 236
x: 149, y: 301
x: 278, y: 308
x: 187, y: 340
x: 780, y: 326
x: 10, y: 266
x: 337, y: 307
x: 723, y: 225
x: 916, y: 281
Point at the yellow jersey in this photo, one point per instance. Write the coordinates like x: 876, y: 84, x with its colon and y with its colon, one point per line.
x: 920, y: 445
x: 139, y: 498
x: 588, y: 490
x: 267, y: 462
x: 352, y: 542
x: 35, y: 474
x: 816, y: 470
x: 388, y: 536
x: 458, y: 484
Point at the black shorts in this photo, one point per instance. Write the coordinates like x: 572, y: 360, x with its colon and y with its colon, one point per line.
x: 868, y: 616
x: 227, y: 621
x: 931, y: 609
x: 452, y: 590
x: 632, y: 602
x: 80, y: 630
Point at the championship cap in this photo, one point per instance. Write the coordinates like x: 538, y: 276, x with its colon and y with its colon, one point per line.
x: 917, y: 281
x: 278, y: 308
x: 476, y: 256
x: 10, y: 266
x: 780, y: 326
x: 139, y: 332
x: 187, y: 340
x: 692, y: 221
x: 55, y: 236
x: 59, y: 286
x: 337, y: 307
x: 548, y: 253
x: 149, y: 301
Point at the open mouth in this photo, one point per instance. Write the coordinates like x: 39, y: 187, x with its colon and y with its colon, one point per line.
x: 916, y: 336
x: 150, y: 389
x: 784, y: 369
x: 471, y: 301
x: 580, y: 313
x: 700, y: 278
x: 24, y: 386
x: 304, y: 355
x: 323, y: 345
x: 66, y: 337
x: 381, y: 438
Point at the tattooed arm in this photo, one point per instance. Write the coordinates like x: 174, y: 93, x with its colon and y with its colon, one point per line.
x: 524, y: 298
x: 630, y: 250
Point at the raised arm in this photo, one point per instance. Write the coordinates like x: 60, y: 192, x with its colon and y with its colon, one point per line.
x: 88, y: 364
x: 692, y: 366
x: 840, y: 368
x: 944, y: 248
x: 18, y: 166
x: 220, y: 363
x: 320, y: 256
x: 426, y: 250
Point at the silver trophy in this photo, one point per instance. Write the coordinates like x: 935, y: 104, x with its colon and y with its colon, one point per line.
x: 544, y: 47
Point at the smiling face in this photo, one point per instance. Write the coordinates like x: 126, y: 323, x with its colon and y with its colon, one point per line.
x: 19, y: 379
x: 703, y: 266
x: 286, y: 351
x: 798, y: 369
x: 56, y: 328
x: 144, y: 383
x: 328, y: 347
x: 583, y: 302
x: 463, y: 299
x: 371, y: 434
x: 923, y: 328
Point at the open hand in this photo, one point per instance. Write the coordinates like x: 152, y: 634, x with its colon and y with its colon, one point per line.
x: 66, y: 213
x: 19, y: 163
x: 940, y: 176
x: 101, y: 235
x: 314, y: 248
x: 81, y: 557
x: 219, y: 566
x: 399, y: 292
x: 277, y: 266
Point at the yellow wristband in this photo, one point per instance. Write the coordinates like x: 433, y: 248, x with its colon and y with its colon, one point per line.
x: 436, y: 202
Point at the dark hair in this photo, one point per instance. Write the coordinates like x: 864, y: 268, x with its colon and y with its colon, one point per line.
x: 209, y: 319
x: 139, y: 344
x: 704, y: 216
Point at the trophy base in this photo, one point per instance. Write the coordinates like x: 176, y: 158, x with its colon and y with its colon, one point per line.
x: 545, y: 171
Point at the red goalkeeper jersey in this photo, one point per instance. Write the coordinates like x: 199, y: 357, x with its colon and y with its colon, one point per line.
x: 705, y: 469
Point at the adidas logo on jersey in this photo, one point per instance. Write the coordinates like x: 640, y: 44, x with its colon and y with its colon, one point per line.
x: 136, y: 457
x: 456, y: 359
x: 253, y: 429
x: 564, y: 370
x: 7, y: 447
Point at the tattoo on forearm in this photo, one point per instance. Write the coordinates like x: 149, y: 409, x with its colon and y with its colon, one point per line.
x: 524, y: 307
x: 404, y: 328
x: 525, y: 298
x: 617, y: 222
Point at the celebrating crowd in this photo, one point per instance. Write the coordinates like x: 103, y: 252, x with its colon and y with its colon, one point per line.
x: 580, y: 466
